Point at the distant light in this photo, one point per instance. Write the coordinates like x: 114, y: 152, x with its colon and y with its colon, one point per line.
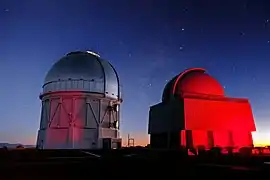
x: 117, y: 125
x: 95, y: 54
x: 182, y: 29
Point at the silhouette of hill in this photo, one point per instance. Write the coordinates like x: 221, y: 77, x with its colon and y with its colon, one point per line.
x: 11, y: 146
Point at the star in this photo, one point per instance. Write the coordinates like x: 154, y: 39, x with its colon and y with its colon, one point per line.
x: 268, y: 41
x: 181, y: 47
x: 267, y: 21
x: 6, y: 10
x: 242, y: 34
x: 182, y: 29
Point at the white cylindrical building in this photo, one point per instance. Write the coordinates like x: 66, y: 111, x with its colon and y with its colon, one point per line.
x: 80, y: 104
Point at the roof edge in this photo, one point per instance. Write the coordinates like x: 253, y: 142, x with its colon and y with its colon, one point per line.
x: 184, y: 73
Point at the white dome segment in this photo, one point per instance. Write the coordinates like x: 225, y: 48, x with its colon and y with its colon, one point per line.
x: 93, y: 53
x: 83, y: 71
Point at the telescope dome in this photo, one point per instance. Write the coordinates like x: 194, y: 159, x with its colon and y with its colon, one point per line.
x: 193, y: 81
x: 83, y: 71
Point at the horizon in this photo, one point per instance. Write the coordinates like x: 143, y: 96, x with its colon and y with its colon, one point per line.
x: 143, y: 141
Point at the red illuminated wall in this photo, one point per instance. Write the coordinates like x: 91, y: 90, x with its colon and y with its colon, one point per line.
x: 217, y: 115
x: 217, y: 122
x: 222, y: 139
x: 210, y: 139
x: 199, y: 138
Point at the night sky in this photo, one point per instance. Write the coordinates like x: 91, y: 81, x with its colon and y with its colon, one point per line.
x: 147, y: 41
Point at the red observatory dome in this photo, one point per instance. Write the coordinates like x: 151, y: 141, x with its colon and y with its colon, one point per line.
x: 194, y: 81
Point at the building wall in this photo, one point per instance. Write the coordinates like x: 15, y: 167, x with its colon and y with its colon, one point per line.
x: 76, y: 120
x: 218, y: 115
x: 166, y: 117
x: 165, y: 140
x: 198, y: 138
x: 67, y: 138
x: 210, y: 139
x: 242, y: 138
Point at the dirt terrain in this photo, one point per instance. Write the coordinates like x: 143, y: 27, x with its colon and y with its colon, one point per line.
x: 126, y: 163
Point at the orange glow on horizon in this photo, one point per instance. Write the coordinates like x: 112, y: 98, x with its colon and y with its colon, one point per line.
x: 261, y: 138
x: 142, y: 139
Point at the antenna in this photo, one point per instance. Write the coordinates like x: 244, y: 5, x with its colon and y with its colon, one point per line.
x: 131, y: 141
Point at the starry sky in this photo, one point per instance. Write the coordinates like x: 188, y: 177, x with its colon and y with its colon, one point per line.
x: 147, y: 41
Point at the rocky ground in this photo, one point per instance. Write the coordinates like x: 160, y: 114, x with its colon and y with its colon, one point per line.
x: 128, y: 164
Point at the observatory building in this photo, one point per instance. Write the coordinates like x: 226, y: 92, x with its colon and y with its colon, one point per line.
x: 80, y: 104
x: 195, y: 112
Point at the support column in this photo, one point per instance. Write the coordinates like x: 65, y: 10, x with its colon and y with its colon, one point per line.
x: 210, y: 136
x: 189, y: 139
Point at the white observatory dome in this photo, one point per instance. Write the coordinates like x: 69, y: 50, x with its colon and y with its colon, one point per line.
x: 83, y: 71
x: 80, y: 104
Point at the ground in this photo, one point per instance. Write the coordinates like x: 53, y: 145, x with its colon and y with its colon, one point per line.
x: 126, y: 163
